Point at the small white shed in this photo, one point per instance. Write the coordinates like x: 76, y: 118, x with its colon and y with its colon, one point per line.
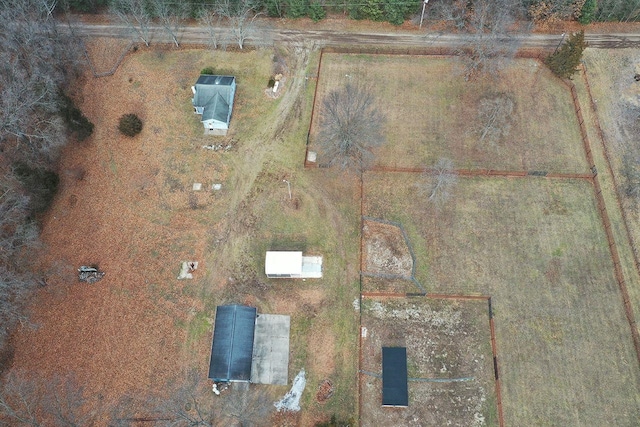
x: 292, y: 264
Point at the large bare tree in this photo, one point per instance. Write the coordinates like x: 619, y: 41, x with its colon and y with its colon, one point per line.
x: 491, y: 28
x: 31, y: 401
x: 241, y: 16
x: 136, y: 15
x: 172, y: 16
x: 210, y: 19
x: 351, y: 126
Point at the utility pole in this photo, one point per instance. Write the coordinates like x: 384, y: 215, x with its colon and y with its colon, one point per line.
x: 561, y: 40
x: 424, y: 5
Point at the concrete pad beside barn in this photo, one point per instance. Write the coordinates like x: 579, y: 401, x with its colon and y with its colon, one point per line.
x: 270, y: 363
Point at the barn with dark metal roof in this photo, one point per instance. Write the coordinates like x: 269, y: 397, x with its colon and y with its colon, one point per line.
x: 232, y: 346
x: 395, y: 391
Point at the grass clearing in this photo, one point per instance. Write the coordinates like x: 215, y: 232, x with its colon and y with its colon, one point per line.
x: 615, y: 92
x: 538, y: 248
x: 433, y: 113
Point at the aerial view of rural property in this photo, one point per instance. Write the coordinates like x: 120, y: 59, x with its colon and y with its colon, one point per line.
x: 318, y: 213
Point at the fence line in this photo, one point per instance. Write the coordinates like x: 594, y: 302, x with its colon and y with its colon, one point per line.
x: 115, y: 66
x: 606, y: 222
x: 607, y: 158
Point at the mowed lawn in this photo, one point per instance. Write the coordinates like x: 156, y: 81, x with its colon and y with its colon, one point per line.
x: 431, y: 112
x: 537, y: 247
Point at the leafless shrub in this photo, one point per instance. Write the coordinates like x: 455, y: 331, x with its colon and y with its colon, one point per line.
x: 350, y: 127
x: 440, y: 181
x: 494, y: 116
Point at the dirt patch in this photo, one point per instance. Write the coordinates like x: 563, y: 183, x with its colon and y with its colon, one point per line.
x: 385, y: 250
x: 325, y: 391
x: 444, y: 340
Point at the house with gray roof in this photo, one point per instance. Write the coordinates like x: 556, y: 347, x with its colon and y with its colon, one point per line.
x: 213, y: 100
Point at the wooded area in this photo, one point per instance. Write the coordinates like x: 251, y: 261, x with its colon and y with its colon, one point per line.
x: 393, y: 11
x: 39, y: 62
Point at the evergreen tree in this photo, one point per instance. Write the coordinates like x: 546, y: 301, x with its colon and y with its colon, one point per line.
x: 316, y: 11
x: 297, y: 8
x: 369, y: 9
x: 565, y: 60
x: 395, y: 11
x: 588, y: 12
x: 275, y: 8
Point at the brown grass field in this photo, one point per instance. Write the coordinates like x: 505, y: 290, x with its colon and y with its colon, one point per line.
x: 537, y: 247
x: 445, y: 339
x: 128, y: 206
x: 615, y: 92
x: 432, y: 113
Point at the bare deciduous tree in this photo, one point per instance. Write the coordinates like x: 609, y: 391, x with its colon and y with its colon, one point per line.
x: 34, y: 402
x: 210, y: 19
x: 494, y: 116
x: 190, y: 405
x: 135, y: 15
x: 241, y: 16
x: 19, y: 401
x: 246, y: 406
x: 491, y: 27
x: 34, y: 65
x: 440, y: 181
x: 172, y: 16
x: 350, y: 127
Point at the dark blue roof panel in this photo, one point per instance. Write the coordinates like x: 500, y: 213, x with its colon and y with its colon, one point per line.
x: 395, y: 391
x: 232, y: 346
x: 208, y: 79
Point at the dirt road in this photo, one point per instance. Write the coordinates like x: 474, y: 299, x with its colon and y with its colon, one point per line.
x: 265, y: 34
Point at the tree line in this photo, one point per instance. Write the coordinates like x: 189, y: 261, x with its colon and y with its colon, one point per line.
x: 393, y: 11
x: 38, y: 63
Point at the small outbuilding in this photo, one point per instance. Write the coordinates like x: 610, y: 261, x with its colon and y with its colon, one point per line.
x: 292, y: 264
x: 232, y: 345
x: 395, y: 391
x: 249, y: 347
x: 213, y: 99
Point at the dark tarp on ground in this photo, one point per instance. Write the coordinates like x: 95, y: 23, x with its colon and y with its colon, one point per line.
x: 232, y: 346
x: 395, y: 391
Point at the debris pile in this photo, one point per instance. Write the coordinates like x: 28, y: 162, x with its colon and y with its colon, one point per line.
x: 89, y: 274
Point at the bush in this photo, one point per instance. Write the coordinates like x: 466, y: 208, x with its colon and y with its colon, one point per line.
x: 208, y: 70
x: 41, y: 185
x: 272, y: 83
x: 76, y: 122
x: 130, y: 125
